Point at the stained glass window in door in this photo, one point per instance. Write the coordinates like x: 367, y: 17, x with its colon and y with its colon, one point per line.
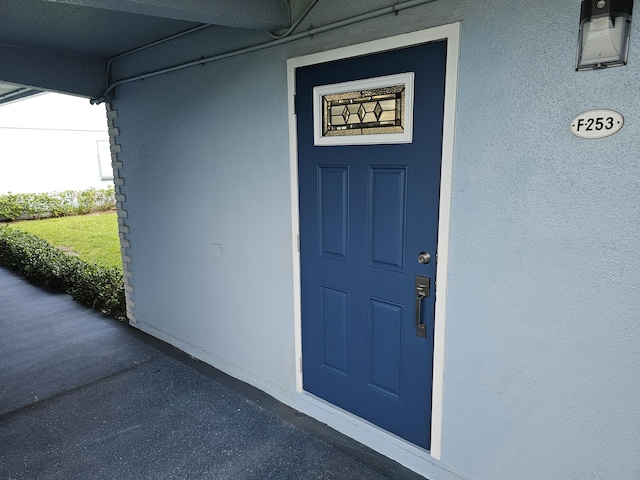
x: 374, y: 110
x: 364, y: 112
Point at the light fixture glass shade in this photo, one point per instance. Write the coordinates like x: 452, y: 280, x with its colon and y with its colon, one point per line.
x: 603, y: 40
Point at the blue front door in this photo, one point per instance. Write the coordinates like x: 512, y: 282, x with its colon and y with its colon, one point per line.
x: 366, y: 213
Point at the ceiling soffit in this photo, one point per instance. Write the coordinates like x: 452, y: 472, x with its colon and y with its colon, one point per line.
x: 40, y: 38
x: 251, y: 14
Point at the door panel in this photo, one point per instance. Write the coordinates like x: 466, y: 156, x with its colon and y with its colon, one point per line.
x: 334, y: 315
x: 385, y: 347
x: 387, y: 213
x: 333, y: 207
x: 366, y: 212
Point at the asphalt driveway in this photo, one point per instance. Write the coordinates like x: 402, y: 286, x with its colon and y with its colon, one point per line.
x: 83, y: 396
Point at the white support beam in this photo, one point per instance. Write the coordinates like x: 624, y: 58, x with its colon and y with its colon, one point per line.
x: 252, y: 14
x: 57, y: 72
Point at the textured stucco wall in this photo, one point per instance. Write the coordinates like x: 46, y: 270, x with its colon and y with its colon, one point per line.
x: 543, y: 344
x: 208, y: 205
x: 543, y: 337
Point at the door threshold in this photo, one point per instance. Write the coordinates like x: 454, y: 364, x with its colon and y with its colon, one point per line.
x: 386, y: 443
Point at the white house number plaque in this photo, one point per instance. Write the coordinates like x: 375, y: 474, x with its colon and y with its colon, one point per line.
x: 596, y: 124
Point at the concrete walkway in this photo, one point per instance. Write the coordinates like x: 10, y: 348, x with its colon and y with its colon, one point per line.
x: 83, y: 396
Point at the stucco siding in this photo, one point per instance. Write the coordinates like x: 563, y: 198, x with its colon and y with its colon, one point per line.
x: 542, y: 341
x: 212, y: 250
x: 543, y: 338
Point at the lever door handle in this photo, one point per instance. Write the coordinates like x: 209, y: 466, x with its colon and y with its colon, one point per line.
x: 423, y: 285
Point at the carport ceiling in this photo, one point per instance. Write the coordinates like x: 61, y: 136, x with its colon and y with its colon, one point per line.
x: 104, y: 28
x: 96, y: 30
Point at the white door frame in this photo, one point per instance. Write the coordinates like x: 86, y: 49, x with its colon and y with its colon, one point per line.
x: 376, y: 438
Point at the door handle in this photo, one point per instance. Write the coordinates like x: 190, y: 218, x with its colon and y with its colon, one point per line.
x: 423, y: 285
x: 424, y: 258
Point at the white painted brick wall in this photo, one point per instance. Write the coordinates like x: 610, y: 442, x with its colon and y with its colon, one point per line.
x: 121, y: 198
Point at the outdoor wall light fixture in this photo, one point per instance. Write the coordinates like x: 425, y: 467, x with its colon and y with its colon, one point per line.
x: 603, y: 40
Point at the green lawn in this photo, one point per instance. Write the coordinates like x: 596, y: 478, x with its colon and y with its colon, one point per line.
x: 93, y: 238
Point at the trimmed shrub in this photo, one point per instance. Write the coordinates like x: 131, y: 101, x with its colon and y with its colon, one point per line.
x: 55, y: 204
x: 39, y: 262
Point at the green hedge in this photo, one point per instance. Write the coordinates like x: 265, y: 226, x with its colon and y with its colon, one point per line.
x: 39, y: 262
x: 55, y: 204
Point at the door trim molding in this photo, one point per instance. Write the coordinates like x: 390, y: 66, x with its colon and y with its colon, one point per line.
x: 338, y: 419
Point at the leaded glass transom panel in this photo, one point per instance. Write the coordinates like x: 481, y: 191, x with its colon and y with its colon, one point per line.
x: 369, y: 111
x: 364, y: 112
